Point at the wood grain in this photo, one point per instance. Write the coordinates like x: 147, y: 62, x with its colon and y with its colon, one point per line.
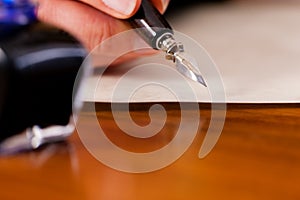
x: 256, y: 157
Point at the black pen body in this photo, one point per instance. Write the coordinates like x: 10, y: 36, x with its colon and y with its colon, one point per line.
x: 150, y: 24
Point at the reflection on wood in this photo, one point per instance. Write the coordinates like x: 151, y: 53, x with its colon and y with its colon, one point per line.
x: 256, y: 157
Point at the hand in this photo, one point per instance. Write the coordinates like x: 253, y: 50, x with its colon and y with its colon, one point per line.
x: 91, y: 21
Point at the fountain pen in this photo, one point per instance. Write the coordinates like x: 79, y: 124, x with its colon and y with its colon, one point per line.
x: 157, y: 33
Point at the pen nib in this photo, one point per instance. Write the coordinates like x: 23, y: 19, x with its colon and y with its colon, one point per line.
x: 188, y: 66
x: 185, y: 64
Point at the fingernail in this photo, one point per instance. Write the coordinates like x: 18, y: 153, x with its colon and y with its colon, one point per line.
x: 125, y: 7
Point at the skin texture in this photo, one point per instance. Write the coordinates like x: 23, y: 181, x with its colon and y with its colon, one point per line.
x: 90, y: 21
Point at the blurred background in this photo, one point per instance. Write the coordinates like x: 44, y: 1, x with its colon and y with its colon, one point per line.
x: 255, y: 44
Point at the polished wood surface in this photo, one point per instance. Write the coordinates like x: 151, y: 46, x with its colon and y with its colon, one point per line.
x: 256, y: 157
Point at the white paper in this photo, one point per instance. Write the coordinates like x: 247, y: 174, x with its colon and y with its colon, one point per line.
x: 256, y: 48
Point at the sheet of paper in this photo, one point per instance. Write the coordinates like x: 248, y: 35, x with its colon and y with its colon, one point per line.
x: 256, y: 49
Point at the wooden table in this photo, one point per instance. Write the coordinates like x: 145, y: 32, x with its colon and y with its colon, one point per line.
x: 256, y: 157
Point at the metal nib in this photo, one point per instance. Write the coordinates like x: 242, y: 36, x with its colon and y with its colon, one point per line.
x: 188, y: 66
x: 185, y: 64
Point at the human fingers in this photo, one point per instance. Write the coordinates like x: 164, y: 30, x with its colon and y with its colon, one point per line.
x: 91, y: 27
x: 83, y: 21
x: 80, y: 20
x: 123, y: 9
x: 161, y: 5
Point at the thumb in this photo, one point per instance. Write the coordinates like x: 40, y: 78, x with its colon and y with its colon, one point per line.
x: 123, y: 9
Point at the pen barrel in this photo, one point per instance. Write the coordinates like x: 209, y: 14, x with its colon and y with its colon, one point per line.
x: 38, y: 69
x: 150, y: 24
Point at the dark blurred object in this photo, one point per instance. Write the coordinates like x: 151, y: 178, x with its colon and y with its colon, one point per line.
x: 38, y: 67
